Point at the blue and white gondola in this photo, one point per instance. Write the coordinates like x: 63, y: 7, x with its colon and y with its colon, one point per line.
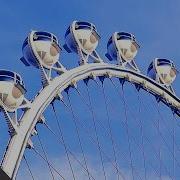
x: 82, y: 38
x: 40, y: 48
x: 123, y: 47
x: 162, y: 71
x: 12, y: 89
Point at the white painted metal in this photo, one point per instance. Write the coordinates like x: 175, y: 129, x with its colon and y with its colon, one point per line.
x: 19, y: 141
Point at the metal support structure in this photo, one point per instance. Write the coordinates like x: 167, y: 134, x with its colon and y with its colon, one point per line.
x: 41, y: 49
x: 33, y: 115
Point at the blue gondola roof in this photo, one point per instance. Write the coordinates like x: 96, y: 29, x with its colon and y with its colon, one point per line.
x: 83, y: 25
x: 125, y: 35
x: 42, y: 35
x: 122, y: 35
x: 164, y: 62
x: 161, y: 62
x: 6, y: 75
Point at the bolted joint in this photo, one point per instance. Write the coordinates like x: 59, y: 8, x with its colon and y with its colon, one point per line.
x: 34, y: 132
x: 41, y: 119
x: 143, y: 84
x: 127, y: 77
x: 92, y: 76
x: 11, y: 132
x: 59, y: 97
x: 73, y: 84
x: 158, y: 98
x: 30, y: 144
x: 108, y: 75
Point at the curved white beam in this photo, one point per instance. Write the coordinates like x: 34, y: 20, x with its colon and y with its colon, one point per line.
x: 19, y: 141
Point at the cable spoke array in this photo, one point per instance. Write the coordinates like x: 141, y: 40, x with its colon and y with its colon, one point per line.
x: 96, y: 116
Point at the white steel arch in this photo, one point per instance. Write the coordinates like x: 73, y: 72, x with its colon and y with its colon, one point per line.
x: 19, y: 141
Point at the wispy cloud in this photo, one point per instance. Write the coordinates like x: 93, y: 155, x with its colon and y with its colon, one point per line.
x: 94, y: 168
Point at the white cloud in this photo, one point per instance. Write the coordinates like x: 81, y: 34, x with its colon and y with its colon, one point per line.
x: 95, y: 168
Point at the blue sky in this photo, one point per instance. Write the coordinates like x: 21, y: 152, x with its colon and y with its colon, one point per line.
x: 155, y: 24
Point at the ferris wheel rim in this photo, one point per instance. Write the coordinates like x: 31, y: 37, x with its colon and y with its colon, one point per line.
x: 59, y: 84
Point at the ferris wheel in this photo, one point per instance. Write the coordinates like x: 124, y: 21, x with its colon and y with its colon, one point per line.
x: 132, y: 145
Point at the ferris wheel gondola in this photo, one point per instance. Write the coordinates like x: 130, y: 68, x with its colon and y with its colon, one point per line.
x: 163, y: 71
x: 82, y: 38
x: 42, y: 50
x: 123, y: 47
x: 12, y: 89
x: 43, y: 46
